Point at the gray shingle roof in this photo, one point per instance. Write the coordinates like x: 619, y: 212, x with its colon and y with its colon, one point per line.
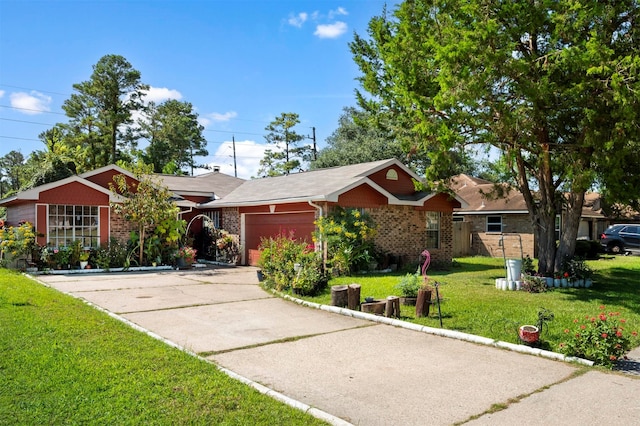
x: 313, y: 185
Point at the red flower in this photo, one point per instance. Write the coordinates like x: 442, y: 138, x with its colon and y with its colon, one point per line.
x: 602, y: 307
x: 582, y: 327
x: 604, y: 335
x: 575, y: 320
x: 634, y: 333
x: 612, y: 357
x: 622, y: 320
x: 603, y: 317
x: 566, y: 275
x: 566, y: 330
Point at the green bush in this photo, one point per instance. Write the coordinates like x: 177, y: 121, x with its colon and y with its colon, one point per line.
x: 278, y: 259
x: 588, y: 249
x: 410, y: 284
x: 601, y: 339
x: 348, y: 234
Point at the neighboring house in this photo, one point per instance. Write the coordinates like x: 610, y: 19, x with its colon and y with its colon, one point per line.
x: 498, y: 223
x: 408, y: 221
x: 79, y: 207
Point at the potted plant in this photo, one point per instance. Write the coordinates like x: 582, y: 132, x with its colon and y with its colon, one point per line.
x: 185, y: 257
x: 409, y: 286
x: 84, y: 259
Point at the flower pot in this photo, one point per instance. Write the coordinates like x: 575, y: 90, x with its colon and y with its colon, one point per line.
x: 556, y: 282
x: 83, y: 264
x: 529, y: 333
x: 588, y: 282
x: 565, y: 282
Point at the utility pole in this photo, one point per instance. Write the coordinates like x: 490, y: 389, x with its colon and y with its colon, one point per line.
x: 235, y: 166
x: 315, y: 151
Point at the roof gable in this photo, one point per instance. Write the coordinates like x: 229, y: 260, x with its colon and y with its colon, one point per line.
x: 328, y: 185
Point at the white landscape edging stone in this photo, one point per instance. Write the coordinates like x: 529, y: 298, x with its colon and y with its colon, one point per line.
x: 452, y: 334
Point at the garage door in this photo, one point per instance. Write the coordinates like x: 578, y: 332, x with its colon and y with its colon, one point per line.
x: 272, y: 224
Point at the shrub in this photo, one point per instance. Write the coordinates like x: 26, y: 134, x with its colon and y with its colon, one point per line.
x: 601, y: 338
x: 348, y: 234
x: 533, y: 284
x: 410, y: 284
x: 19, y: 241
x: 588, y: 249
x: 278, y: 258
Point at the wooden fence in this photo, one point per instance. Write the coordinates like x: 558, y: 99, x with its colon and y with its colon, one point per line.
x: 461, y: 239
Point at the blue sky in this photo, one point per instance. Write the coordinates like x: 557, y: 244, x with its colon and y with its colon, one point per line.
x: 239, y: 62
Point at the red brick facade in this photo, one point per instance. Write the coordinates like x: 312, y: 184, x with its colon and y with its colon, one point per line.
x: 485, y: 243
x: 401, y: 231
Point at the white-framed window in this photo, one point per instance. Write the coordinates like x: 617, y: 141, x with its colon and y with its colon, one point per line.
x: 68, y: 224
x: 494, y: 223
x: 214, y: 215
x: 433, y: 230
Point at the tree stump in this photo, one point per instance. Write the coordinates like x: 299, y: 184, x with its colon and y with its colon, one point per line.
x: 353, y: 296
x: 423, y: 303
x: 392, y: 308
x: 339, y: 295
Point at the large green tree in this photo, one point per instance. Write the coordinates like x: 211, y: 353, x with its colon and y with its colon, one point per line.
x: 147, y: 204
x: 13, y: 172
x: 362, y: 137
x: 552, y: 84
x: 357, y: 140
x: 174, y: 135
x: 288, y: 154
x: 100, y: 113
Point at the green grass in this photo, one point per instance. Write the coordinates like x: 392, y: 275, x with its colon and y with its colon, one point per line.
x: 473, y: 305
x: 63, y: 362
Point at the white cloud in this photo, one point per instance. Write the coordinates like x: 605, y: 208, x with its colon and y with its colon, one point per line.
x: 31, y: 103
x: 248, y: 156
x: 216, y: 116
x: 1, y: 93
x: 298, y: 19
x: 339, y: 11
x: 331, y: 30
x: 160, y: 94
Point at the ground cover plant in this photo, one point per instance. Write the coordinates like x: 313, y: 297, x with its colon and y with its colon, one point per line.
x: 63, y: 362
x: 472, y: 304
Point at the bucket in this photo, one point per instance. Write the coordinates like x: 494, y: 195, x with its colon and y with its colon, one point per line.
x: 514, y: 269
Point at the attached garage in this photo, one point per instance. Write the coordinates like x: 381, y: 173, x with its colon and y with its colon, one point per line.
x: 259, y: 225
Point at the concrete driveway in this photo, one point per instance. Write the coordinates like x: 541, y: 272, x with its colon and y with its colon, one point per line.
x: 359, y: 371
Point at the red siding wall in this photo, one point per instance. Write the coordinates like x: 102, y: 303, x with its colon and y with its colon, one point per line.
x: 362, y: 196
x: 75, y: 194
x: 404, y: 184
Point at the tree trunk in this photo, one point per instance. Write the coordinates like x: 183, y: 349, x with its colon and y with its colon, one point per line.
x: 339, y: 295
x: 569, y: 228
x: 423, y: 303
x: 353, y: 296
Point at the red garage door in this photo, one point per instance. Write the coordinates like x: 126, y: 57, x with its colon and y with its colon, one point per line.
x: 272, y: 224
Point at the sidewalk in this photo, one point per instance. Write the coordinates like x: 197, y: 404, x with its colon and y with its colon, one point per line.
x: 359, y: 371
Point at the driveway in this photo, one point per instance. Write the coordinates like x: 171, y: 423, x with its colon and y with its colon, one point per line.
x: 359, y: 371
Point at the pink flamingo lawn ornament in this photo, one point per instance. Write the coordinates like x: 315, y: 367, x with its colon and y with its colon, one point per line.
x: 425, y: 266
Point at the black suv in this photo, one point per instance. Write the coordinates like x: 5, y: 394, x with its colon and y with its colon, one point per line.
x: 620, y: 239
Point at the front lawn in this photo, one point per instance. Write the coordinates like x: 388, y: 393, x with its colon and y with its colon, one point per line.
x: 63, y: 362
x: 473, y: 305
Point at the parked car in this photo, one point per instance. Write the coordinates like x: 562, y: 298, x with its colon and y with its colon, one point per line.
x: 622, y: 238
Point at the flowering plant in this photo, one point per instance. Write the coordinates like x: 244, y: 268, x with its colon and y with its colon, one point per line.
x: 187, y: 253
x: 601, y: 339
